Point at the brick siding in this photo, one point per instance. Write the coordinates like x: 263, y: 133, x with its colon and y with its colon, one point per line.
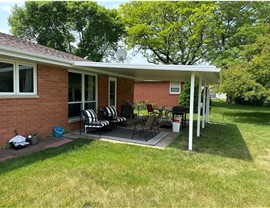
x: 37, y: 115
x: 156, y: 93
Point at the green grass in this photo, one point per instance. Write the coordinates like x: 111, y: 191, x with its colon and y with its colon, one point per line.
x: 229, y: 167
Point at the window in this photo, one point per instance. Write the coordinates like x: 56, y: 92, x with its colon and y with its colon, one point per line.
x: 112, y: 92
x: 81, y: 93
x: 175, y: 87
x: 17, y: 78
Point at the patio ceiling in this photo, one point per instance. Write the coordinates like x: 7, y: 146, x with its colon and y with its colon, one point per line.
x: 210, y: 74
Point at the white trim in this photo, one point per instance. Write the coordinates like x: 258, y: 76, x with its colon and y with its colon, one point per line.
x: 191, y: 110
x: 115, y: 96
x: 34, y: 56
x: 16, y: 80
x: 179, y: 87
x: 83, y: 101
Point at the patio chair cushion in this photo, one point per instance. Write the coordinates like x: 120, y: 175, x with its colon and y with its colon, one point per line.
x: 91, y: 120
x: 111, y: 114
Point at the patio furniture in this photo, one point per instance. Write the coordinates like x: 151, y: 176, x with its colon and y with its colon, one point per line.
x: 150, y: 109
x: 145, y: 126
x: 90, y: 121
x: 110, y: 114
x: 157, y: 121
x: 181, y: 111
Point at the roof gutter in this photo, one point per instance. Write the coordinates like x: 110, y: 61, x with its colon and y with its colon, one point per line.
x: 18, y: 53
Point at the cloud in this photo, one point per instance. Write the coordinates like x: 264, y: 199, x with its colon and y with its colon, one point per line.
x: 6, y: 9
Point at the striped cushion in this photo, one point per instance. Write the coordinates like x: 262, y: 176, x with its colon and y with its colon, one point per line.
x: 92, y: 121
x: 110, y: 111
x: 98, y: 124
x: 90, y: 116
x: 118, y: 119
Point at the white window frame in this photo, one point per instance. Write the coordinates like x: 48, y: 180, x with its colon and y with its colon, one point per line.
x: 173, y: 85
x: 75, y: 119
x: 114, y: 79
x: 16, y: 79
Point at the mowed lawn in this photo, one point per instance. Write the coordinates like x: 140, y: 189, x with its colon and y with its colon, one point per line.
x: 229, y: 167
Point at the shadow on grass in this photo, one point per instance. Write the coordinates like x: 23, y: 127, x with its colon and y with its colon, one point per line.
x: 218, y: 139
x: 258, y: 118
x: 23, y: 161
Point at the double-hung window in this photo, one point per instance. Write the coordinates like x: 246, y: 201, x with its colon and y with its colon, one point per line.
x: 17, y: 78
x: 82, y: 93
x: 175, y: 87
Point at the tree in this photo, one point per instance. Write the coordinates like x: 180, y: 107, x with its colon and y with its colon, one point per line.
x: 238, y: 24
x: 82, y: 28
x: 249, y: 81
x: 169, y: 32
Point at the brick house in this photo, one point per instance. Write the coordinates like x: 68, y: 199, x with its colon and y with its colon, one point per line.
x: 41, y: 88
x: 160, y: 93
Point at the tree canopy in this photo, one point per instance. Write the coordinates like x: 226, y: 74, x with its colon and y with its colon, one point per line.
x: 229, y: 34
x: 169, y: 32
x: 85, y: 28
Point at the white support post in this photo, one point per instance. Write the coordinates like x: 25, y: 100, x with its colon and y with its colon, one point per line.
x: 199, y: 108
x: 203, y: 114
x: 207, y: 104
x: 191, y: 109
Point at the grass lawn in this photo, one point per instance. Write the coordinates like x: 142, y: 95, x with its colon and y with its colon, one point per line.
x: 229, y: 167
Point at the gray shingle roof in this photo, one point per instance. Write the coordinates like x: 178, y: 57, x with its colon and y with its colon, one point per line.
x: 17, y: 43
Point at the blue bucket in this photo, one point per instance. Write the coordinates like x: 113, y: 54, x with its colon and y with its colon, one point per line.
x: 58, y: 131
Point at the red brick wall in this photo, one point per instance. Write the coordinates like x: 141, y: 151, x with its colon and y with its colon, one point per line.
x: 125, y: 91
x: 156, y: 93
x: 40, y: 115
x: 103, y: 91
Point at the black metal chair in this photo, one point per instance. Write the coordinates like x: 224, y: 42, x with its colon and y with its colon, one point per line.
x: 90, y: 121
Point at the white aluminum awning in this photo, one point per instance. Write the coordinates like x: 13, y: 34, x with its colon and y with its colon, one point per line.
x: 153, y: 72
x: 204, y: 75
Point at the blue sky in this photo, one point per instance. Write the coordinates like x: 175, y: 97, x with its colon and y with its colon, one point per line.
x: 6, y: 7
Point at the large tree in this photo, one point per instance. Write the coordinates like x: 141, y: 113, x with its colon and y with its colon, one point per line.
x: 82, y: 28
x: 169, y: 32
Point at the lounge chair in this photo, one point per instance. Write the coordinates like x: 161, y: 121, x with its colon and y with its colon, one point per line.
x: 90, y: 121
x: 110, y: 114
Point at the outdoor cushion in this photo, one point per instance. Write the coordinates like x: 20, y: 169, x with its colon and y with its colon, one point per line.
x: 91, y: 120
x: 111, y: 114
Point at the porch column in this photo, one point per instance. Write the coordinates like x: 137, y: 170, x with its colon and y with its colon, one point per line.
x: 203, y: 114
x: 199, y: 108
x: 207, y: 104
x: 191, y: 106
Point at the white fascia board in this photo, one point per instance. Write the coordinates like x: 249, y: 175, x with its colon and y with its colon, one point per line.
x: 190, y: 68
x: 98, y: 71
x: 22, y: 54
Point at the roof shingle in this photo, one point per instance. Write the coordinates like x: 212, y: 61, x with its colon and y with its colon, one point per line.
x: 14, y: 42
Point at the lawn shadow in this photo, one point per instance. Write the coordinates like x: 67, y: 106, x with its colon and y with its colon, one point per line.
x: 218, y: 139
x: 22, y: 161
x: 259, y: 118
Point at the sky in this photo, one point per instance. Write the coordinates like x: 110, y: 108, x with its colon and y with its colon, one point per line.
x: 6, y: 8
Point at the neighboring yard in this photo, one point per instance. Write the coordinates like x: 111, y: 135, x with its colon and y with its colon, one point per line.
x: 229, y: 167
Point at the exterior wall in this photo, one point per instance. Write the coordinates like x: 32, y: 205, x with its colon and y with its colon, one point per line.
x: 156, y: 93
x: 37, y: 115
x: 40, y: 115
x: 125, y: 92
